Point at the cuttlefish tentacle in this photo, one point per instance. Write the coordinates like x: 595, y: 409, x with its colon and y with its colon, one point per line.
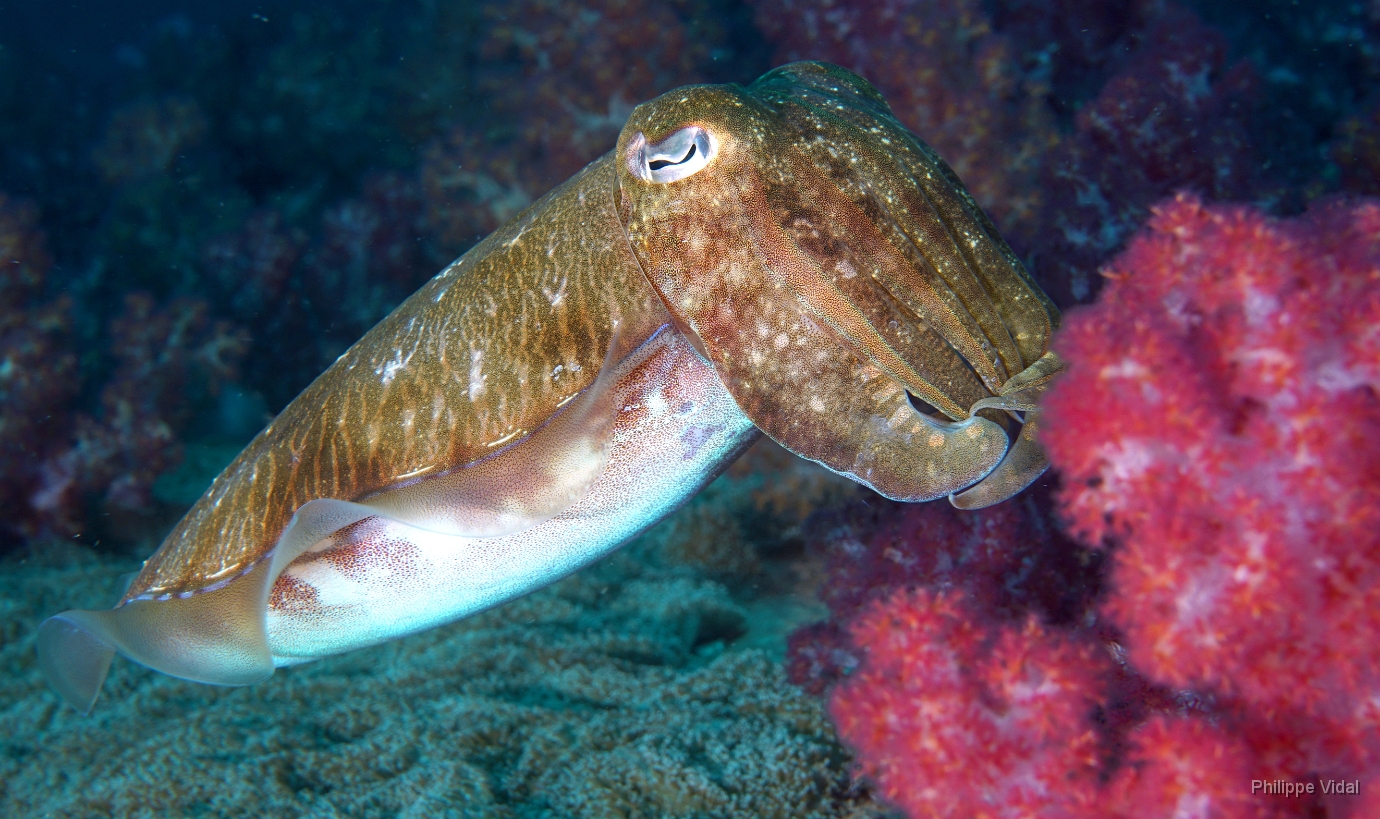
x: 1025, y: 461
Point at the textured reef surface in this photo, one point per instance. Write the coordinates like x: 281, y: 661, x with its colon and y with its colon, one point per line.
x: 649, y: 685
x: 200, y: 217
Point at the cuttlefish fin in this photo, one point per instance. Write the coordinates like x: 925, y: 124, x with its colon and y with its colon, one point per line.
x: 213, y: 635
x: 1025, y: 461
x: 74, y: 657
x: 527, y: 482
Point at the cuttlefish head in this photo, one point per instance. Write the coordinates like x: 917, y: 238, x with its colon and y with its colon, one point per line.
x: 853, y: 298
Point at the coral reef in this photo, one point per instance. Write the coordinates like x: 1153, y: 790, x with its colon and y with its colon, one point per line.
x: 247, y: 270
x: 1175, y: 117
x: 168, y: 360
x: 58, y: 463
x: 298, y: 173
x: 1009, y: 559
x: 1357, y: 152
x: 955, y: 718
x: 38, y: 372
x: 144, y: 138
x: 369, y: 255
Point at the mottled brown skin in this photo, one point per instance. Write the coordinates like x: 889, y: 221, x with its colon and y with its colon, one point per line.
x: 403, y: 404
x: 828, y: 262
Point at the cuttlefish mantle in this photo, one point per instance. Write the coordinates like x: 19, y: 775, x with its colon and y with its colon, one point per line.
x: 783, y: 258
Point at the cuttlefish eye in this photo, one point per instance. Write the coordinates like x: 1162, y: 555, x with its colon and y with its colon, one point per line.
x: 679, y: 155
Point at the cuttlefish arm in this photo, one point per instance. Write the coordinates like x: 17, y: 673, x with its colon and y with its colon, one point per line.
x: 932, y: 249
x: 1025, y: 461
x: 850, y: 294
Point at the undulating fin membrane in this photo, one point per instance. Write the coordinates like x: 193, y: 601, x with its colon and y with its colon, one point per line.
x: 528, y: 482
x: 211, y: 636
x: 215, y: 636
x: 73, y: 658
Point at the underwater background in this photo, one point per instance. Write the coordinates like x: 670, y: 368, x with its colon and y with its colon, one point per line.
x: 203, y: 205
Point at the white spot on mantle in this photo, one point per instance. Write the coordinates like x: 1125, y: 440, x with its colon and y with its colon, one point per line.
x: 476, y: 374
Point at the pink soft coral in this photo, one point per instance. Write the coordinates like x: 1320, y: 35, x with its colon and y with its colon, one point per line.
x: 1220, y: 421
x: 953, y: 714
x: 1009, y: 559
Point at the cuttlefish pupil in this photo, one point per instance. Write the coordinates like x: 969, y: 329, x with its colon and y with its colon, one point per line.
x: 683, y: 153
x: 782, y: 259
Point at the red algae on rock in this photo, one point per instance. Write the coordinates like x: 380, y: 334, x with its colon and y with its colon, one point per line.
x: 144, y: 138
x: 165, y: 357
x: 57, y: 461
x: 38, y: 372
x: 1357, y: 152
x: 1175, y: 117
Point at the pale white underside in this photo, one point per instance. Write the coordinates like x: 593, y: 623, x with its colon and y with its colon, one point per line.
x: 381, y: 579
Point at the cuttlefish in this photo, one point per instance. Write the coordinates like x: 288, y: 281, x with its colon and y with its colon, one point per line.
x: 783, y: 258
